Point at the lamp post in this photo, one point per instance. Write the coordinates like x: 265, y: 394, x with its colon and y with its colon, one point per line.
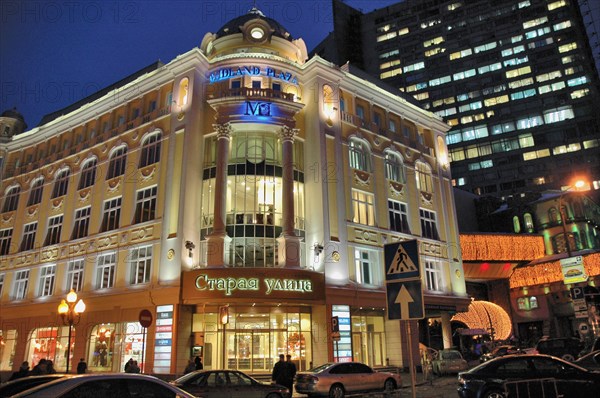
x: 70, y: 311
x: 563, y: 214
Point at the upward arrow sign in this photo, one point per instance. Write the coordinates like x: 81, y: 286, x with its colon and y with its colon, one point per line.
x: 404, y: 299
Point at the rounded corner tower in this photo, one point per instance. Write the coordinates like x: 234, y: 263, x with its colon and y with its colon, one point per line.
x: 11, y: 124
x: 254, y: 33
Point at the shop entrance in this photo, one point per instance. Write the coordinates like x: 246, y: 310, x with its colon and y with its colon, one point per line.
x: 368, y: 347
x: 253, y: 352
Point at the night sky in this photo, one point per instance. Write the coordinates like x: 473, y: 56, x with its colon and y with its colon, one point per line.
x: 55, y: 52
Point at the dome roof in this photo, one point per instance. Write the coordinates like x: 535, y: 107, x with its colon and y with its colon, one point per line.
x: 233, y: 26
x: 12, y: 113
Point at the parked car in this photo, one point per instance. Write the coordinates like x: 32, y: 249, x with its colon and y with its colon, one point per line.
x: 567, y: 348
x: 500, y: 351
x: 448, y: 361
x: 228, y: 383
x: 25, y: 383
x: 529, y: 376
x: 338, y: 379
x: 106, y: 385
x: 590, y: 361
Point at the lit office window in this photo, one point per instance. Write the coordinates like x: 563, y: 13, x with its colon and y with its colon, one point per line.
x: 363, y: 207
x: 433, y: 276
x: 556, y: 4
x: 561, y: 25
x: 567, y: 47
x: 47, y: 278
x: 106, y: 265
x: 140, y: 263
x: 534, y: 22
x: 75, y: 275
x: 20, y: 283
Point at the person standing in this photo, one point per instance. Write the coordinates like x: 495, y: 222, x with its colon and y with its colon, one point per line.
x: 81, y: 366
x: 290, y: 373
x: 40, y: 368
x: 191, y: 366
x: 50, y: 367
x: 22, y: 372
x: 128, y: 365
x: 279, y: 371
x: 198, y: 363
x: 134, y: 368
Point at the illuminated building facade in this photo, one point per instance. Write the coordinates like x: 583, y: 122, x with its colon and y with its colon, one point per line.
x: 243, y: 195
x: 514, y: 78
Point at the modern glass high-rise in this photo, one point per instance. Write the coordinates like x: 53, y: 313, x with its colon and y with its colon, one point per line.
x: 514, y: 78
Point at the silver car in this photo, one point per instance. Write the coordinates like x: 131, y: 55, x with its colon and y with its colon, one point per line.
x: 106, y: 385
x: 449, y: 361
x: 338, y: 379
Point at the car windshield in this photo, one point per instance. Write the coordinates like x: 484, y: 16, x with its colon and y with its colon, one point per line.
x: 451, y: 355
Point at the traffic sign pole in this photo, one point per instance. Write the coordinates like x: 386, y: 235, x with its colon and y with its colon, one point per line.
x: 413, y: 383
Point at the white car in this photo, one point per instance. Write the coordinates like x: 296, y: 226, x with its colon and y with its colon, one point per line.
x: 335, y: 380
x: 106, y: 385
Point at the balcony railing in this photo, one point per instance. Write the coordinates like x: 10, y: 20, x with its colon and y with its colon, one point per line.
x: 254, y: 93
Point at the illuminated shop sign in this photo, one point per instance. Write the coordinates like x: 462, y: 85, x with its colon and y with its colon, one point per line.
x: 231, y: 284
x: 258, y: 108
x: 252, y: 70
x: 163, y: 339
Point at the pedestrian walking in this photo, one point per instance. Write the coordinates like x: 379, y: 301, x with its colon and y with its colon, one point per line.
x: 279, y: 371
x: 290, y: 373
x: 22, y: 372
x: 81, y: 366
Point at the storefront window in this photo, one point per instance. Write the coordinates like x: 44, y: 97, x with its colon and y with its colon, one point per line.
x: 256, y: 336
x: 8, y: 344
x: 51, y: 344
x: 113, y: 344
x: 368, y: 338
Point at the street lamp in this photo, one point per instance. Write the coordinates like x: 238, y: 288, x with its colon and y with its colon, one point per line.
x: 70, y: 311
x: 579, y: 184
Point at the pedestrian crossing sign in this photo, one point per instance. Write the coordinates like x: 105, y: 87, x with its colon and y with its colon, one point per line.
x: 402, y: 260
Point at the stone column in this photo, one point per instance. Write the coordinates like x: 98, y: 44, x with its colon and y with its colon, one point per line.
x: 288, y: 242
x: 446, y: 329
x: 218, y: 240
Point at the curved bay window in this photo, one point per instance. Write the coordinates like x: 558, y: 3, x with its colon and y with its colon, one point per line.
x: 111, y: 345
x: 256, y: 336
x: 254, y: 199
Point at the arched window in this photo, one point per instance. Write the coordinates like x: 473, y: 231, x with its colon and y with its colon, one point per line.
x: 424, y: 179
x: 116, y: 165
x: 37, y: 189
x: 88, y: 173
x: 150, y: 150
x: 528, y: 219
x: 553, y: 215
x: 359, y: 155
x: 516, y: 225
x: 394, y: 167
x: 11, y: 199
x: 61, y: 183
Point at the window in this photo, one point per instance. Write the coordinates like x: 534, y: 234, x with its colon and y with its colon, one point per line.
x: 145, y: 206
x: 150, y: 150
x: 47, y: 276
x: 54, y: 229
x: 1, y: 283
x: 366, y: 266
x: 516, y: 225
x: 82, y: 223
x: 20, y: 285
x: 424, y: 179
x: 116, y: 165
x: 5, y: 239
x: 359, y: 155
x: 362, y: 204
x: 140, y: 260
x: 75, y: 275
x: 394, y: 168
x: 433, y: 276
x: 360, y: 112
x: 112, y: 214
x: 61, y: 183
x: 11, y: 199
x: 88, y: 174
x: 528, y: 219
x: 105, y: 270
x: 398, y: 217
x: 428, y: 224
x: 28, y: 240
x: 37, y: 188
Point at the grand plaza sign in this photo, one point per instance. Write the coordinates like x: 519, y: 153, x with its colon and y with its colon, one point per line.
x: 257, y: 284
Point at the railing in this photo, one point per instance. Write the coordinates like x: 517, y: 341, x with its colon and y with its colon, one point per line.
x: 254, y: 92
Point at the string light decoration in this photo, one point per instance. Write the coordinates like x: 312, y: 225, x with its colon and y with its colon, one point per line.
x: 499, y: 247
x: 487, y: 316
x: 546, y: 273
